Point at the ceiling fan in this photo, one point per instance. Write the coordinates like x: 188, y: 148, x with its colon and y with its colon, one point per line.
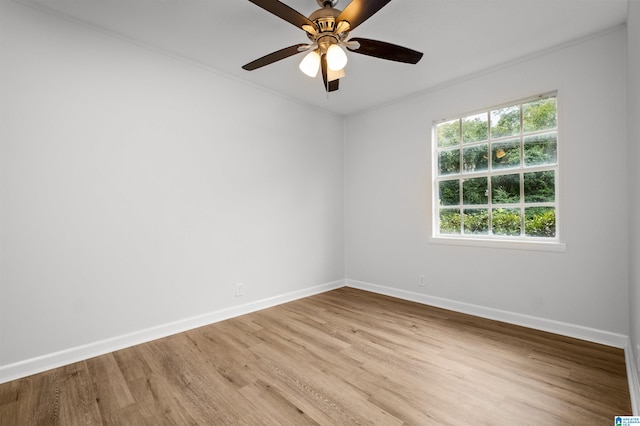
x: 328, y: 28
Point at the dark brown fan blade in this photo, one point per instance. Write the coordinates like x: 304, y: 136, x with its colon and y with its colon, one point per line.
x: 384, y: 50
x: 359, y: 11
x: 273, y: 57
x: 283, y: 11
x: 330, y: 86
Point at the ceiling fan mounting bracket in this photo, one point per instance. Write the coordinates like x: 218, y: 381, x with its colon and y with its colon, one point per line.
x: 327, y: 3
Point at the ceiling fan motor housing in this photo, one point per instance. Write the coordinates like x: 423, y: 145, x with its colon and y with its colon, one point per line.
x: 325, y: 19
x: 329, y: 32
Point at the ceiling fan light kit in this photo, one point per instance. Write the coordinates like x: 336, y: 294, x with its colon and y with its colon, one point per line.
x: 336, y: 58
x: 328, y: 28
x: 310, y: 64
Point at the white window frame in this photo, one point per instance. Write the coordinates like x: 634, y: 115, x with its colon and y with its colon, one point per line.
x: 521, y: 242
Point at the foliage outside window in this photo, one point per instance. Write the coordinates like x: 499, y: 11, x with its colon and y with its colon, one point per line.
x: 496, y: 173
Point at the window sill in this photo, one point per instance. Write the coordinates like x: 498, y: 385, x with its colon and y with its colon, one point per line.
x: 553, y: 246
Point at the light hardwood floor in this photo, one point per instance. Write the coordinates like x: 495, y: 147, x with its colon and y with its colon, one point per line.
x: 342, y: 357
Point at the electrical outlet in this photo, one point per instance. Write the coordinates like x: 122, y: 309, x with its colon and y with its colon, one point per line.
x: 239, y: 289
x: 422, y: 281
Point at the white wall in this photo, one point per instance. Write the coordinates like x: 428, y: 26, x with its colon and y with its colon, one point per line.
x: 137, y: 189
x: 388, y: 194
x: 633, y: 126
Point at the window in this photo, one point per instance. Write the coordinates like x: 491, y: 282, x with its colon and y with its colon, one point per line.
x: 496, y: 173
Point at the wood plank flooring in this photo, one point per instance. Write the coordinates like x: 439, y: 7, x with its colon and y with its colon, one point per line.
x: 341, y: 357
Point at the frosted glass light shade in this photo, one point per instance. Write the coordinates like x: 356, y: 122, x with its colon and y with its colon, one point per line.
x: 310, y: 64
x: 336, y: 58
x: 334, y: 75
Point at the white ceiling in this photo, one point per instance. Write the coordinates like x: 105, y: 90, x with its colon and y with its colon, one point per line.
x: 458, y: 38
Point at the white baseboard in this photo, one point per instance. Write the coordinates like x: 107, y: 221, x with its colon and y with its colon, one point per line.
x: 632, y: 378
x: 552, y: 326
x: 68, y: 356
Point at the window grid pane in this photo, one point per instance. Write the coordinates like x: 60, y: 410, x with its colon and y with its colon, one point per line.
x: 496, y: 173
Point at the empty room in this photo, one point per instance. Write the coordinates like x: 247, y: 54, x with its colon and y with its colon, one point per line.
x: 267, y: 212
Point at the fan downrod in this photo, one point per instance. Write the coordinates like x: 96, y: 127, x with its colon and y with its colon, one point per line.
x: 327, y: 3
